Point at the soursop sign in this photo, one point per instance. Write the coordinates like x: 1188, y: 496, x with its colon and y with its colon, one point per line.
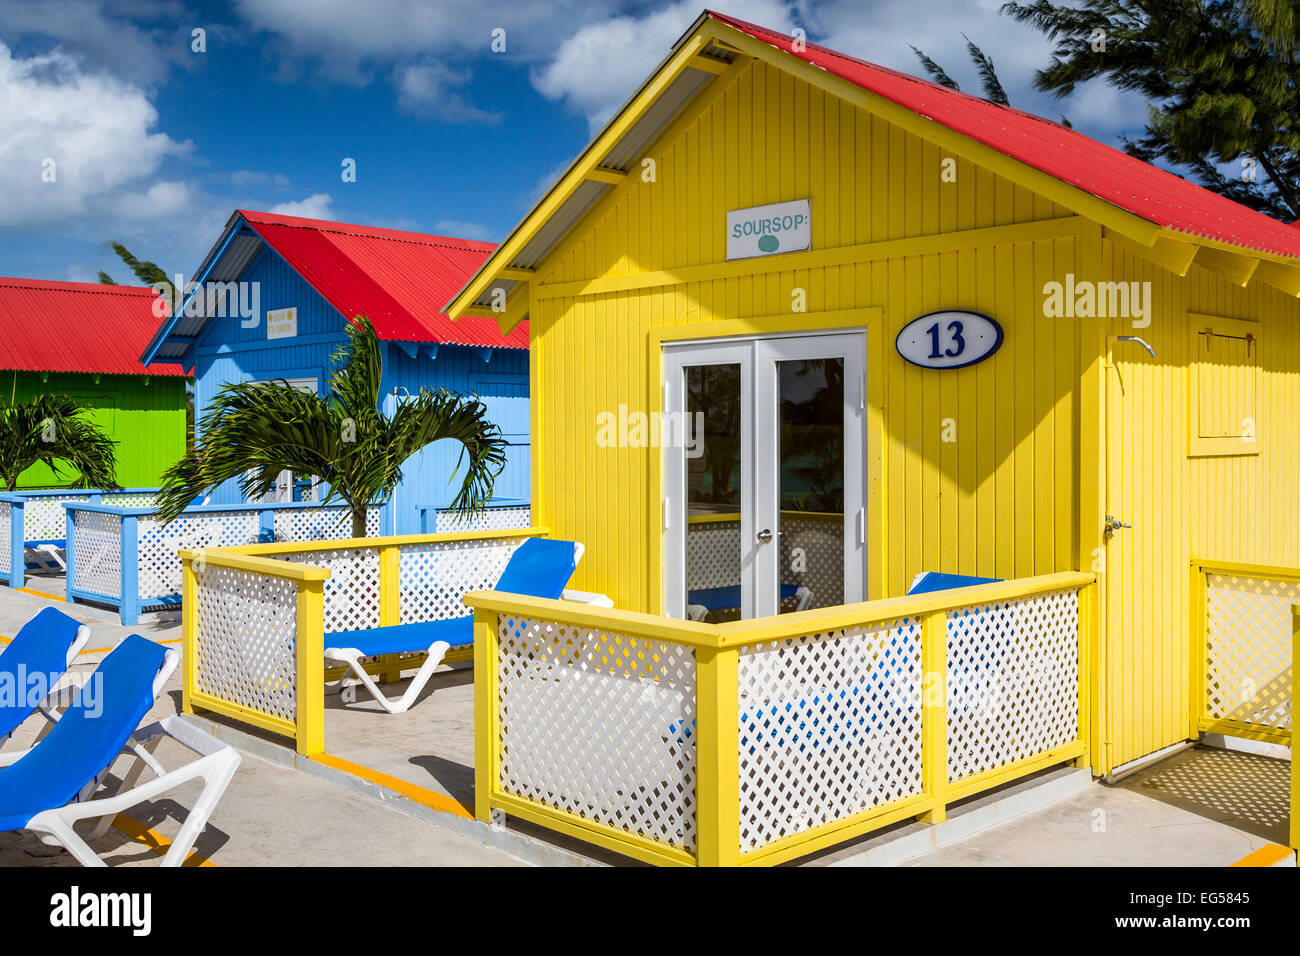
x: 769, y: 230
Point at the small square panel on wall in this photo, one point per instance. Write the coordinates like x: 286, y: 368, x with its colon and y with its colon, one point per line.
x: 1224, y: 373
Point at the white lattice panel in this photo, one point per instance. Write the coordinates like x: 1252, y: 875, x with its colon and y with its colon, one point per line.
x: 245, y: 640
x: 316, y: 523
x: 830, y: 726
x: 818, y: 564
x: 1013, y: 681
x: 44, y: 518
x: 436, y: 577
x: 712, y: 554
x: 158, y: 567
x: 351, y: 590
x: 6, y: 517
x: 600, y: 725
x: 134, y: 499
x: 490, y: 519
x: 1248, y: 649
x: 97, y: 553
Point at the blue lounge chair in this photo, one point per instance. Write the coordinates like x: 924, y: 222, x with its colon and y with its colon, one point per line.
x: 700, y: 601
x: 35, y: 666
x: 540, y: 567
x: 927, y: 582
x: 49, y: 788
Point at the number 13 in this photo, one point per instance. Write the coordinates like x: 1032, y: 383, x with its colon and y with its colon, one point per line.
x: 958, y: 343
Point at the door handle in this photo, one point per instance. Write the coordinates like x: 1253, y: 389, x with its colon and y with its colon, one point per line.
x: 1112, y: 525
x: 764, y: 536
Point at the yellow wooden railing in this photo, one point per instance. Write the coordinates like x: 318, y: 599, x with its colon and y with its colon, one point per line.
x: 304, y: 720
x: 1241, y: 649
x: 1245, y: 620
x: 577, y: 660
x: 236, y: 640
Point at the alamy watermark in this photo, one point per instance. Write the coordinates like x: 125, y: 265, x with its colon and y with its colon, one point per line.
x: 215, y: 300
x: 26, y: 690
x: 629, y: 429
x: 1085, y: 299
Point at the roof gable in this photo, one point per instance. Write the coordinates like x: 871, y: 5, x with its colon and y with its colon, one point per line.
x: 397, y: 278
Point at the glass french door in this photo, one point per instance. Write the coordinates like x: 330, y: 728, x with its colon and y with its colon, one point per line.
x: 764, y: 475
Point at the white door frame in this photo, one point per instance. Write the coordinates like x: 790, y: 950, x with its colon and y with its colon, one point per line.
x: 851, y: 348
x: 677, y: 358
x: 759, y: 499
x: 282, y: 490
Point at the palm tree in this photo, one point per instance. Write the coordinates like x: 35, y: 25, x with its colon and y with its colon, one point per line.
x: 51, y: 429
x: 255, y: 431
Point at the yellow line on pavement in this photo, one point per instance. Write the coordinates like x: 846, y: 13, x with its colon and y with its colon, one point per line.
x: 1267, y: 855
x: 430, y: 798
x: 44, y: 594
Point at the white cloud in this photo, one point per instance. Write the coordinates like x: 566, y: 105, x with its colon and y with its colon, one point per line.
x: 95, y: 129
x: 602, y: 63
x: 596, y: 69
x: 427, y: 88
x: 315, y: 206
x: 162, y: 200
x: 79, y: 273
x: 251, y: 177
x: 464, y: 230
x: 345, y: 41
x: 101, y: 35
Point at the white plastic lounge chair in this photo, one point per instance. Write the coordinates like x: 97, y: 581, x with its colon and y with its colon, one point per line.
x: 42, y: 651
x: 540, y: 567
x: 49, y: 554
x: 49, y: 788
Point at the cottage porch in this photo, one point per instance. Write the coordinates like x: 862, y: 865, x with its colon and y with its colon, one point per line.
x: 668, y: 741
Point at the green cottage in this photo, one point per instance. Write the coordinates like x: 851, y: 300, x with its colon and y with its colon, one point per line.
x: 83, y: 340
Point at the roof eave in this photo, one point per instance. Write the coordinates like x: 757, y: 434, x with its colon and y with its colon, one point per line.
x: 148, y: 356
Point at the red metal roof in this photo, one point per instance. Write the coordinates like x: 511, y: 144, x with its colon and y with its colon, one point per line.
x: 1140, y: 188
x: 77, y: 327
x: 399, y: 279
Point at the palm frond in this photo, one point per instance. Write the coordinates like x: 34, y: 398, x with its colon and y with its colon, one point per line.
x: 993, y: 90
x: 253, y: 432
x: 149, y: 273
x: 431, y: 416
x: 935, y: 71
x: 53, y: 430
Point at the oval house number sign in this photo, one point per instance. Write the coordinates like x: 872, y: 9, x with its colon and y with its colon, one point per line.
x: 949, y: 339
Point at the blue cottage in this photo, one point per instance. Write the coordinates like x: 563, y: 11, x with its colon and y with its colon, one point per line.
x: 271, y: 300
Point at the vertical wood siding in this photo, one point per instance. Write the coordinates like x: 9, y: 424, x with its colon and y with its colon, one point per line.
x: 146, y: 420
x: 1229, y: 508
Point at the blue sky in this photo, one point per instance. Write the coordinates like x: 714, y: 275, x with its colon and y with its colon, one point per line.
x: 156, y: 144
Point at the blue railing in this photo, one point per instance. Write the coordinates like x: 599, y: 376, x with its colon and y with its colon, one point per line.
x: 502, y: 514
x: 126, y: 557
x: 33, y: 520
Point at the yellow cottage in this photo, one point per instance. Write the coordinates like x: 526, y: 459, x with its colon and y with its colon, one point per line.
x: 803, y: 328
